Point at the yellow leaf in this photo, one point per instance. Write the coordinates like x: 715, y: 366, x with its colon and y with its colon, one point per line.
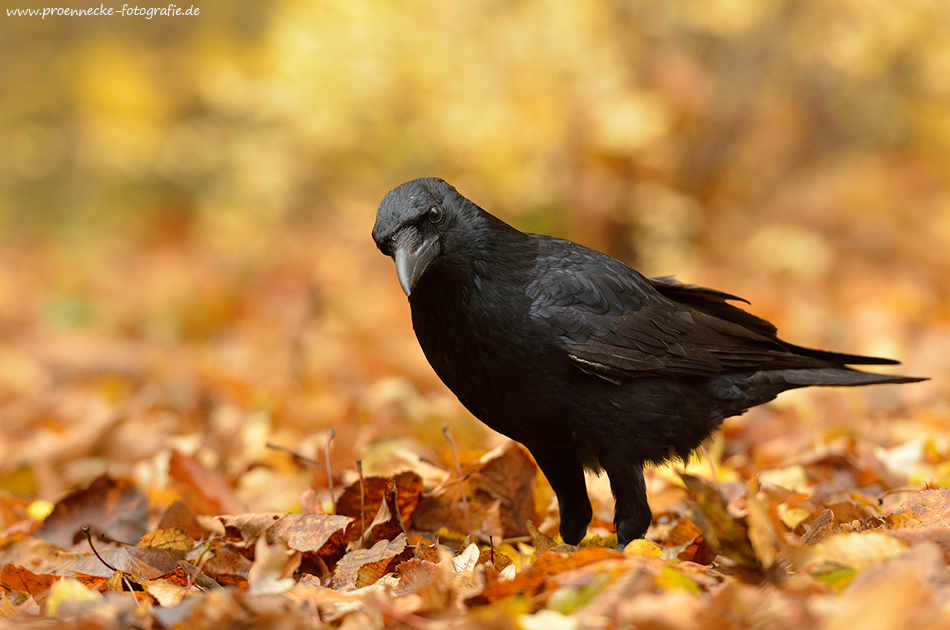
x: 642, y: 547
x: 40, y: 509
x: 548, y: 620
x: 174, y: 539
x: 860, y: 550
x: 66, y: 591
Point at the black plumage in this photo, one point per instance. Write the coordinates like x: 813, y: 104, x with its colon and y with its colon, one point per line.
x: 578, y: 356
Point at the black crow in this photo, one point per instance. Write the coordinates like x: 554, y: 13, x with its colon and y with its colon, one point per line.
x: 578, y: 356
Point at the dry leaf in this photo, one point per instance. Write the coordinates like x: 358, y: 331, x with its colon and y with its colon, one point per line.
x: 925, y: 509
x: 114, y: 509
x: 363, y: 567
x: 721, y: 531
x: 272, y: 569
x: 174, y: 540
x: 208, y: 487
x: 68, y: 591
x: 20, y: 579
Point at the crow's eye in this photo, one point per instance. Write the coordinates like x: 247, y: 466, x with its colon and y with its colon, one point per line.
x: 435, y: 214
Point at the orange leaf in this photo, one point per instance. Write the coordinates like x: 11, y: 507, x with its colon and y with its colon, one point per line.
x: 17, y: 578
x: 925, y: 509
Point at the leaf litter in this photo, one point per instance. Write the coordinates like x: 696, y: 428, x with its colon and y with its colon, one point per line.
x: 824, y: 510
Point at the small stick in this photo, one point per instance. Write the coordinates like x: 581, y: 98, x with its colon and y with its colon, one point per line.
x: 905, y: 490
x: 359, y: 467
x: 326, y: 452
x: 446, y: 484
x: 712, y: 468
x: 298, y: 456
x: 458, y: 468
x: 199, y: 565
x: 86, y: 532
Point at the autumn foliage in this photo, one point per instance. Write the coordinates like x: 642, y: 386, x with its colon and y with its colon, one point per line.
x: 213, y: 411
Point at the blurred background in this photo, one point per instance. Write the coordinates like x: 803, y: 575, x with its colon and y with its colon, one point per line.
x: 186, y: 206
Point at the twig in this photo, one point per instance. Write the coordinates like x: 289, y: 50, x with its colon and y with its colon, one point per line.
x: 199, y: 565
x: 712, y: 467
x: 904, y: 490
x: 284, y: 449
x: 326, y: 452
x: 458, y: 468
x: 359, y: 467
x: 86, y: 532
x: 446, y: 484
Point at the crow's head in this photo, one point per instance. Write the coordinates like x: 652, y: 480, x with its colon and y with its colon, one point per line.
x: 419, y: 221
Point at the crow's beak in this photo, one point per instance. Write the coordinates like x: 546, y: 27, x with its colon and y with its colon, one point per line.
x: 412, y: 254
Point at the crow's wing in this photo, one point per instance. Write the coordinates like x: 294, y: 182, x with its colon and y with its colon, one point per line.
x: 617, y: 324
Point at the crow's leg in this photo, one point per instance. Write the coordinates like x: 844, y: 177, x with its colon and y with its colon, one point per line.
x: 565, y: 473
x: 632, y: 515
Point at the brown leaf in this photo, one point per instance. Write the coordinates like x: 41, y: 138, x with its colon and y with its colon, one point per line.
x: 247, y: 527
x: 114, y: 509
x: 500, y: 491
x: 20, y: 579
x: 507, y: 475
x: 495, y: 558
x: 541, y: 541
x: 388, y: 521
x: 228, y: 561
x: 320, y: 534
x: 208, y: 487
x: 415, y: 574
x: 408, y: 488
x: 535, y: 577
x: 423, y: 551
x: 724, y: 534
x: 821, y: 528
x: 180, y: 515
x: 363, y: 567
x: 442, y: 512
x: 144, y: 564
x: 925, y: 509
x: 174, y: 540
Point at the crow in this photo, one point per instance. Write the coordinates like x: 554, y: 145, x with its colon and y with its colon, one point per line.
x: 578, y: 356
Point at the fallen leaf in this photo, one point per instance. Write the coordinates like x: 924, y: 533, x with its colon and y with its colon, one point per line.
x: 925, y: 509
x: 166, y: 593
x: 114, y: 509
x: 321, y: 534
x: 272, y: 569
x: 363, y: 567
x: 68, y: 591
x: 821, y: 528
x: 763, y: 533
x: 20, y: 579
x: 208, y: 487
x: 144, y: 564
x: 860, y: 550
x: 724, y: 534
x: 174, y: 540
x: 535, y: 577
x: 408, y: 488
x: 506, y: 475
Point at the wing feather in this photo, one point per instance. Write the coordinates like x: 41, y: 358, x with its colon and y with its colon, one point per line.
x: 618, y: 324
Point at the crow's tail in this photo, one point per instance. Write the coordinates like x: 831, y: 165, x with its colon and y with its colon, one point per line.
x: 838, y: 377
